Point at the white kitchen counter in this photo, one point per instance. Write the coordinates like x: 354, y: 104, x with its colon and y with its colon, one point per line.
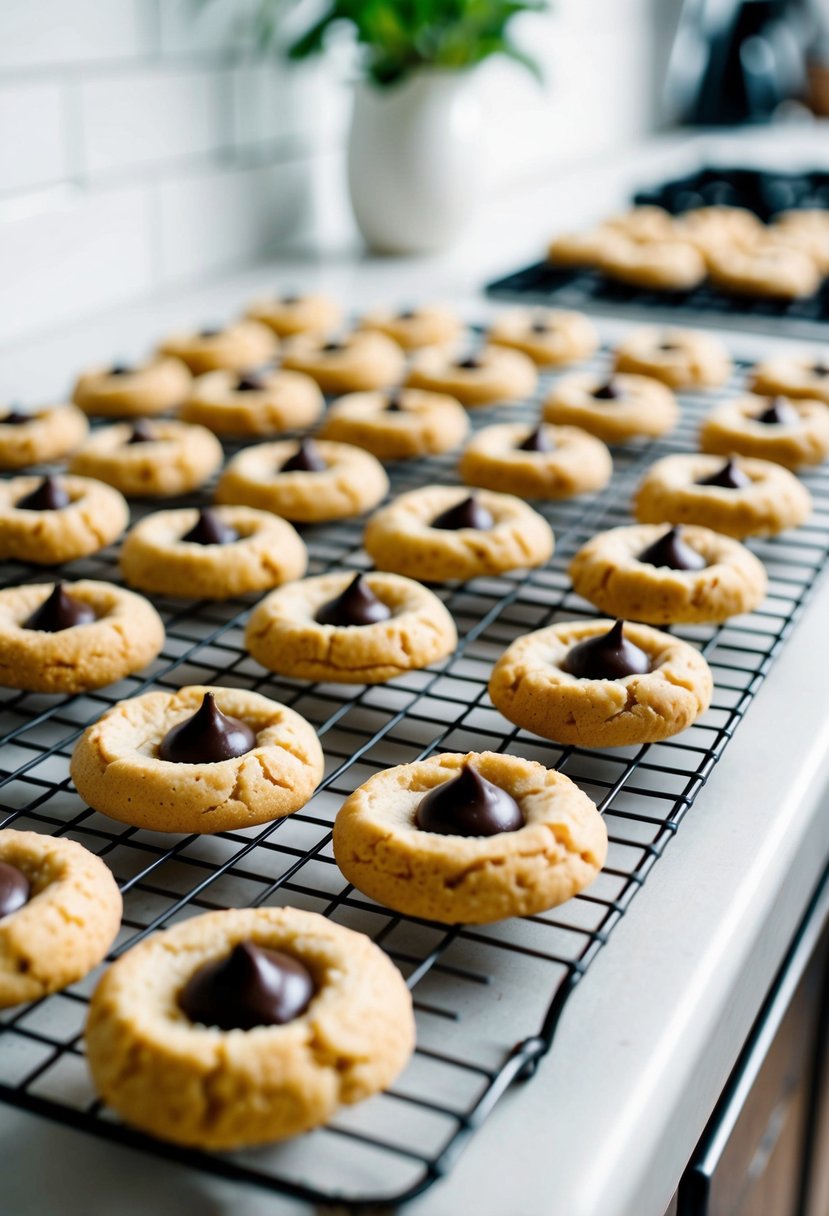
x: 647, y: 1041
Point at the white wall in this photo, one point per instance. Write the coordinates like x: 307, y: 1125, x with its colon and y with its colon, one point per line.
x: 141, y: 147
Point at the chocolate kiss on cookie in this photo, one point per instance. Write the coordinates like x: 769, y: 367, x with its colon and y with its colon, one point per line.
x: 466, y: 514
x: 778, y: 413
x: 207, y: 737
x: 142, y: 432
x: 306, y: 459
x: 540, y: 327
x: 468, y: 805
x: 470, y: 364
x: 48, y: 496
x: 15, y: 417
x: 210, y: 530
x: 210, y: 331
x: 357, y: 605
x: 394, y: 405
x: 538, y: 440
x: 59, y: 611
x: 672, y: 550
x: 610, y: 656
x: 819, y: 368
x: 120, y: 369
x: 251, y: 986
x: 250, y: 382
x: 609, y: 391
x: 15, y: 889
x: 729, y: 477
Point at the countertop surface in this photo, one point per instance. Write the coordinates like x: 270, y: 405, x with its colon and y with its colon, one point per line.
x: 647, y: 1041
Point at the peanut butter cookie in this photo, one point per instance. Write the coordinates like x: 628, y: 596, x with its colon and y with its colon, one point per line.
x: 412, y: 328
x: 615, y: 410
x: 124, y: 390
x: 354, y: 363
x: 256, y: 403
x: 768, y: 267
x: 57, y: 519
x: 542, y: 462
x: 398, y: 425
x: 157, y: 459
x: 493, y: 373
x: 291, y: 314
x: 551, y: 337
x: 680, y: 358
x: 39, y: 436
x: 663, y: 265
x: 237, y: 347
x: 790, y: 431
x: 802, y: 375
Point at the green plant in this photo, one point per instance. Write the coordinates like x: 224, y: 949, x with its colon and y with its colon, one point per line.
x: 397, y: 37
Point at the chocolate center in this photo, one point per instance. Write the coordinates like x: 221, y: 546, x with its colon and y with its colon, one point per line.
x: 251, y: 986
x: 250, y: 382
x: 120, y: 369
x: 468, y: 805
x: 357, y: 605
x: 820, y: 369
x: 394, y: 405
x: 540, y: 327
x: 672, y: 551
x: 778, y: 413
x: 610, y: 656
x: 48, y: 496
x: 729, y: 477
x: 306, y: 459
x: 609, y: 391
x: 468, y: 513
x: 206, y: 737
x: 332, y: 348
x: 142, y: 432
x: 407, y: 314
x: 290, y: 299
x: 209, y: 529
x: 15, y: 889
x: 471, y: 364
x: 210, y: 331
x: 59, y: 611
x: 669, y: 347
x: 16, y: 416
x: 538, y: 440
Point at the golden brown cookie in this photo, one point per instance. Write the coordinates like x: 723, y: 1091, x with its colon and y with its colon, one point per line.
x: 644, y: 223
x: 615, y: 410
x: 71, y: 914
x: 531, y: 689
x: 123, y: 635
x: 800, y: 375
x: 39, y: 436
x: 76, y: 516
x: 712, y: 228
x: 663, y: 265
x: 542, y: 462
x: 680, y: 358
x: 584, y: 249
x: 493, y: 373
x: 259, y: 551
x: 257, y: 403
x: 360, y: 643
x: 772, y: 501
x: 157, y: 459
x: 411, y: 328
x: 351, y: 481
x: 550, y: 336
x: 354, y: 363
x: 237, y: 347
x: 790, y: 431
x: 117, y: 769
x: 293, y: 314
x: 768, y: 267
x: 553, y: 854
x: 645, y: 573
x: 398, y: 425
x: 403, y: 538
x: 204, y: 1086
x: 133, y: 390
x: 807, y: 230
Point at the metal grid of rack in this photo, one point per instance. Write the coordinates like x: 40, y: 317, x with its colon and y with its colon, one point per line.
x: 487, y: 998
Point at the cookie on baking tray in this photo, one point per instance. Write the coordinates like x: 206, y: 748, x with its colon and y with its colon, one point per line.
x: 248, y: 1025
x: 156, y: 459
x: 215, y: 553
x: 680, y: 358
x: 197, y: 760
x: 39, y: 436
x: 791, y: 431
x: 350, y: 629
x: 399, y: 425
x: 663, y: 265
x: 414, y: 327
x: 358, y: 362
x: 237, y: 347
x: 308, y: 482
x: 60, y: 910
x: 292, y: 313
x: 260, y: 402
x: 551, y: 337
x: 66, y: 638
x: 438, y: 533
x: 601, y: 683
x: 489, y: 375
x: 133, y: 390
x: 710, y: 229
x: 536, y: 462
x: 583, y: 249
x: 798, y: 375
x: 470, y: 838
x: 769, y: 267
x: 668, y: 575
x: 57, y: 519
x: 616, y: 410
x: 740, y: 497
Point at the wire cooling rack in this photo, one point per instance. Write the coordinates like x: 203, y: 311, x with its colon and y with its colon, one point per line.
x: 487, y: 998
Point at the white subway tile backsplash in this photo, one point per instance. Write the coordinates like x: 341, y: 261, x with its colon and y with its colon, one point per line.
x: 188, y: 28
x: 32, y: 136
x: 85, y: 252
x: 144, y: 117
x: 296, y: 106
x: 35, y: 33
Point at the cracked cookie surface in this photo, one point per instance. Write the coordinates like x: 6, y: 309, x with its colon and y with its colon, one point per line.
x: 68, y: 923
x: 220, y: 1089
x: 116, y: 768
x: 284, y: 636
x: 95, y: 516
x: 530, y: 688
x: 177, y: 458
x: 475, y: 879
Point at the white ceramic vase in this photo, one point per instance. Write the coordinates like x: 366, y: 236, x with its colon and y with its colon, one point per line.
x: 415, y: 160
